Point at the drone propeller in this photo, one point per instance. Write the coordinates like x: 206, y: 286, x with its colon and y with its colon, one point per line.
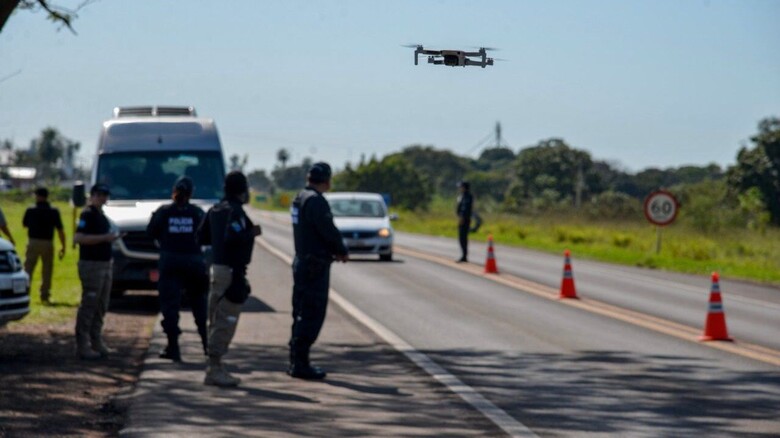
x: 499, y: 59
x: 411, y: 46
x: 487, y: 49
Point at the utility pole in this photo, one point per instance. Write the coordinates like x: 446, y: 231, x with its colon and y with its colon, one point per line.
x: 498, y: 134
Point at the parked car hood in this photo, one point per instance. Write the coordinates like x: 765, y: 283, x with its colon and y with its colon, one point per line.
x: 5, y: 245
x: 361, y: 223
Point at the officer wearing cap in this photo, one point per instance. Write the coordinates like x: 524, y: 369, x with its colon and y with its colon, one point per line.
x: 317, y: 244
x: 231, y: 234
x: 94, y: 235
x: 464, y: 211
x: 181, y: 265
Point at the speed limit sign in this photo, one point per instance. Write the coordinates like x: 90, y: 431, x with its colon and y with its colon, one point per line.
x: 661, y: 207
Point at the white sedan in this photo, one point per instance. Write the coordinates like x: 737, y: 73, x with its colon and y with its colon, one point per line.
x: 364, y: 223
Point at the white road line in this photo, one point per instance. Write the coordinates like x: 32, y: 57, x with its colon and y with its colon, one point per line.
x: 495, y: 414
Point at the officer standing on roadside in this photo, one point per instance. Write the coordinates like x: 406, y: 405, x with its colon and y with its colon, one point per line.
x: 464, y: 210
x: 181, y: 265
x: 317, y: 244
x: 231, y: 235
x: 94, y: 236
x: 41, y: 221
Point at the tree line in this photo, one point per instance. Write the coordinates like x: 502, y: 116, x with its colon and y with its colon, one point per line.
x: 553, y: 175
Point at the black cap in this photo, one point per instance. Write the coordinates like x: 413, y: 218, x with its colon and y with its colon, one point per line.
x: 235, y: 183
x: 184, y: 185
x: 319, y: 172
x: 464, y: 184
x: 100, y: 188
x: 42, y: 192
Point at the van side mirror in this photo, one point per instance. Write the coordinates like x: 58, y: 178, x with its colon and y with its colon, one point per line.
x: 79, y: 196
x: 393, y: 216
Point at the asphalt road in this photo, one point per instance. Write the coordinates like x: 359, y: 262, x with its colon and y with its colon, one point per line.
x: 561, y: 369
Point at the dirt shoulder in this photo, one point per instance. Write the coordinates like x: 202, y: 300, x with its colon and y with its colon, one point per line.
x: 46, y: 391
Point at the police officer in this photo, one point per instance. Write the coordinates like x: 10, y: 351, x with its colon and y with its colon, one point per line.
x: 464, y: 211
x: 231, y: 235
x: 94, y: 236
x: 41, y: 221
x: 317, y: 244
x: 181, y: 265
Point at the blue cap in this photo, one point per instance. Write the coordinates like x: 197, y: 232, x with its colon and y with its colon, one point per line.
x: 319, y: 172
x: 100, y: 188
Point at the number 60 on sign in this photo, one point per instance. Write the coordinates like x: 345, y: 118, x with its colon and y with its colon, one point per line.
x: 661, y: 207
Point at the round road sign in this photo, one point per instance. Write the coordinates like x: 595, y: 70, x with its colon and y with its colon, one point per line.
x: 661, y: 207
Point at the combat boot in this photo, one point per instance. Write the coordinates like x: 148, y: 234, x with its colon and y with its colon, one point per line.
x: 216, y: 375
x: 85, y: 352
x: 301, y: 368
x: 101, y: 348
x: 172, y: 351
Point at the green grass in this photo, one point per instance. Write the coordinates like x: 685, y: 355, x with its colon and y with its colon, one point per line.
x: 66, y: 287
x: 734, y: 253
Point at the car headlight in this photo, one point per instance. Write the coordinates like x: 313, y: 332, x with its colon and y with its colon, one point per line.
x: 383, y: 232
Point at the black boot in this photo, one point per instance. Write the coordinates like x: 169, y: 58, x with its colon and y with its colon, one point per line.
x: 300, y: 366
x: 172, y: 349
x: 204, y: 339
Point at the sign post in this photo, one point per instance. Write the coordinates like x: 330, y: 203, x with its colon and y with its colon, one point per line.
x: 661, y: 209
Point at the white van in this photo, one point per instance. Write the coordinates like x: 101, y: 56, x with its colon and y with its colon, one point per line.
x: 141, y: 152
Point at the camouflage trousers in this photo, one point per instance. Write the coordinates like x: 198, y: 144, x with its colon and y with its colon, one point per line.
x: 223, y: 313
x: 96, y: 292
x: 43, y: 249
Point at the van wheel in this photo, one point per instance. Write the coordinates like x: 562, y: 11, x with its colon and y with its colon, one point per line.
x: 386, y: 257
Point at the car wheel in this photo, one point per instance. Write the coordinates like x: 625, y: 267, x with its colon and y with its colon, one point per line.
x: 386, y: 257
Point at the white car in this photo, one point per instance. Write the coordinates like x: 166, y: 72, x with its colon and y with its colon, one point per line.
x: 364, y: 223
x: 14, y: 285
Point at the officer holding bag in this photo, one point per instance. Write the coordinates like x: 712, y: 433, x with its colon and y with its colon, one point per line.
x: 231, y: 235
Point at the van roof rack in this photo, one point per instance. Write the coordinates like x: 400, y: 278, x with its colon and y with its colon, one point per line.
x: 154, y: 111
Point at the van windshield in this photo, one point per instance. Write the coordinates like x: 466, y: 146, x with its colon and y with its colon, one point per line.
x: 150, y: 175
x: 356, y: 208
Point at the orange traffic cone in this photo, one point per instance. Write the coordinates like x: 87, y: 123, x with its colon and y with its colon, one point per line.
x: 715, y: 326
x: 567, y: 284
x: 490, y: 263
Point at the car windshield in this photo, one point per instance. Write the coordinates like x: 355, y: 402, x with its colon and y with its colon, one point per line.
x: 356, y: 208
x: 144, y: 175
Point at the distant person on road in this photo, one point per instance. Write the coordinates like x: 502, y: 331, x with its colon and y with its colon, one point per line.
x: 4, y: 228
x: 94, y: 236
x: 464, y: 212
x: 317, y: 244
x: 181, y: 265
x: 41, y: 221
x: 231, y: 234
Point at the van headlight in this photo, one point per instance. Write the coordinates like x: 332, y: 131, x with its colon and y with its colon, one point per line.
x: 383, y: 232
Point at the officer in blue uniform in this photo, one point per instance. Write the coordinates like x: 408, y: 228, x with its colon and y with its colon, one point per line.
x: 464, y: 212
x: 181, y: 266
x: 317, y: 244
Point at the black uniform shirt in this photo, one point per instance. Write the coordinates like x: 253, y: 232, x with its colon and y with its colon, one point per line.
x: 174, y: 227
x: 41, y: 221
x: 93, y: 221
x: 465, y: 202
x: 228, y: 230
x: 313, y: 228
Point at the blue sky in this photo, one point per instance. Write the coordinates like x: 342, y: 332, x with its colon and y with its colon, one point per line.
x: 641, y: 83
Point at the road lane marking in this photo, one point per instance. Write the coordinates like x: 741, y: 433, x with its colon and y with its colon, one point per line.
x: 492, y: 412
x: 680, y: 331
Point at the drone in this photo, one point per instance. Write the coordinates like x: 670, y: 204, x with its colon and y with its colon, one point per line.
x: 453, y: 58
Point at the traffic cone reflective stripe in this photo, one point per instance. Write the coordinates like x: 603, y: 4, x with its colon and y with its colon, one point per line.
x: 490, y: 263
x: 567, y: 283
x: 715, y: 325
